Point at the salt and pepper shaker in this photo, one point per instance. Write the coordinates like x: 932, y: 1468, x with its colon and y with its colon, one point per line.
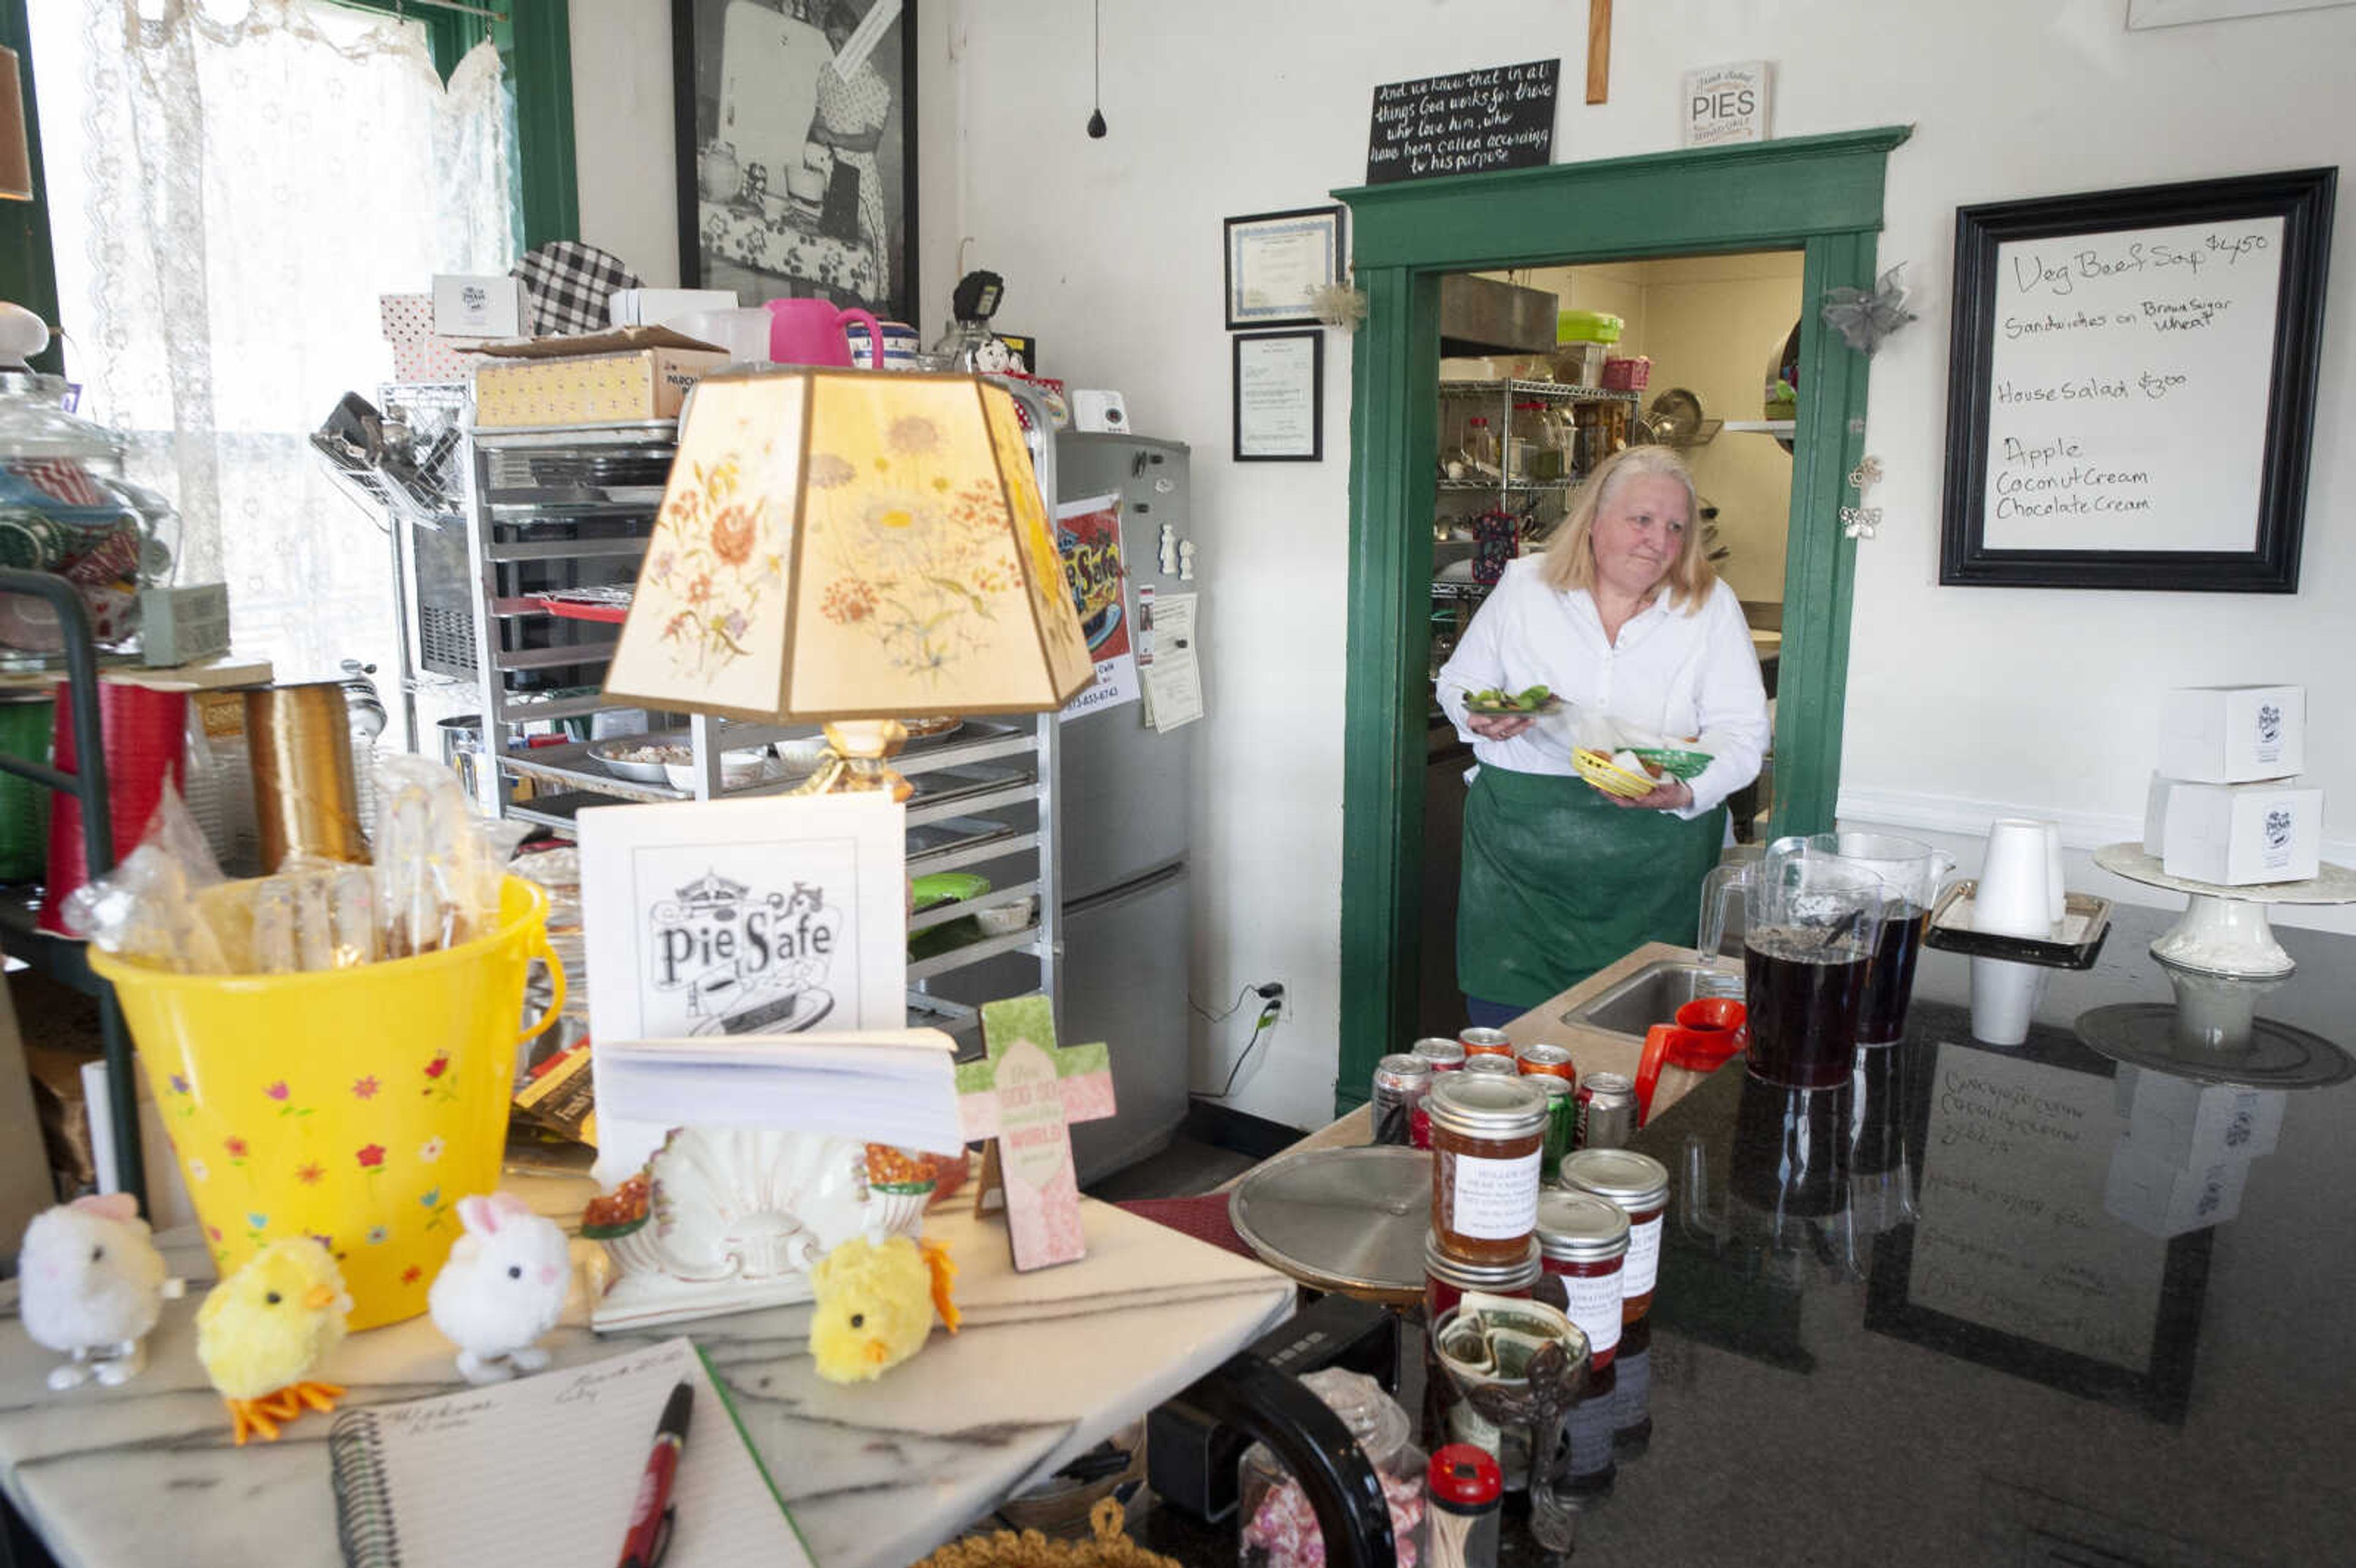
x: 1465, y: 1501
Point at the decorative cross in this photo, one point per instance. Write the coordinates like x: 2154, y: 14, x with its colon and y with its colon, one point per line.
x: 1026, y: 1092
x: 1599, y: 50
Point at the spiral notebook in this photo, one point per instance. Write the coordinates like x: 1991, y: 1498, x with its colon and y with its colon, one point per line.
x: 544, y: 1470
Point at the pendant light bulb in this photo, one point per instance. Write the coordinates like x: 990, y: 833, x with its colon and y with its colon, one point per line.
x: 1096, y: 114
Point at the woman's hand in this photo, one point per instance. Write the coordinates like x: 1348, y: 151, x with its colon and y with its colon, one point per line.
x: 1497, y: 727
x: 1669, y: 794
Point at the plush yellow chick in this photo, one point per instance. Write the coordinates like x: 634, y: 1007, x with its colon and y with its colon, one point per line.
x: 263, y: 1329
x: 876, y: 1301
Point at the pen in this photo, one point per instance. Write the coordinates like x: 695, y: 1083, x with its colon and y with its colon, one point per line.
x: 650, y: 1514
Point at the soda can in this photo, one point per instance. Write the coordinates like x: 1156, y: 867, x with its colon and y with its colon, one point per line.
x: 1400, y: 1085
x: 1503, y: 1066
x: 1444, y: 1054
x: 1547, y: 1060
x: 1607, y: 1113
x: 1561, y: 1128
x: 1485, y: 1042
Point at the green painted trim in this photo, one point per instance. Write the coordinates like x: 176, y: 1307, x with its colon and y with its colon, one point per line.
x: 1760, y: 196
x: 536, y: 46
x: 1822, y: 195
x: 28, y: 267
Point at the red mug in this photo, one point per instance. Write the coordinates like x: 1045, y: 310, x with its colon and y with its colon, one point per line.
x: 810, y: 332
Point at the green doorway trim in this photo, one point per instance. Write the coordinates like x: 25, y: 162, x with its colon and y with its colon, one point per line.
x: 1818, y: 195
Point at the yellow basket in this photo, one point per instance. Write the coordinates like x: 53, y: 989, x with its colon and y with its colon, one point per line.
x: 1610, y: 777
x: 356, y: 1106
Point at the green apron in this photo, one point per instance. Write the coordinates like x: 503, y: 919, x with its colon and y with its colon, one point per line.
x: 1559, y: 881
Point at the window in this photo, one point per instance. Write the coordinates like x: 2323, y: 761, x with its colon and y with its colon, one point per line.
x: 230, y: 187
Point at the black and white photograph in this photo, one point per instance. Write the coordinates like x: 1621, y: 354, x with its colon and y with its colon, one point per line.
x: 796, y: 137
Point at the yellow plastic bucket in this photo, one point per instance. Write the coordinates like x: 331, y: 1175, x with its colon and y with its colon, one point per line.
x: 356, y: 1106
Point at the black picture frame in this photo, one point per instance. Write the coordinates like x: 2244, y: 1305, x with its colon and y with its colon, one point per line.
x: 1315, y: 451
x: 2303, y: 199
x: 1237, y: 233
x: 736, y: 229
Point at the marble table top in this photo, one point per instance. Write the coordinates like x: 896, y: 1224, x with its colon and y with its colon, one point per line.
x: 877, y: 1475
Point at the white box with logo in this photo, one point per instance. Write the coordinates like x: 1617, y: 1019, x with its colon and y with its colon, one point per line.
x: 2177, y: 1122
x: 2233, y: 734
x: 2164, y: 1200
x: 477, y: 305
x: 660, y: 307
x: 2238, y: 835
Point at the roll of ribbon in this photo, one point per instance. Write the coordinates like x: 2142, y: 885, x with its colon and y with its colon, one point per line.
x: 144, y: 732
x: 306, y: 796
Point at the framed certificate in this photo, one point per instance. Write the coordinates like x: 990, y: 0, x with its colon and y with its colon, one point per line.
x: 1276, y: 261
x: 1280, y: 396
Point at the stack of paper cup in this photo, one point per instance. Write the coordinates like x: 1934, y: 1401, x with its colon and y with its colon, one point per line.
x: 2020, y: 894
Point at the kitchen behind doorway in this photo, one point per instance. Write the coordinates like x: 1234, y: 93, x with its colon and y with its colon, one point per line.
x: 1720, y: 333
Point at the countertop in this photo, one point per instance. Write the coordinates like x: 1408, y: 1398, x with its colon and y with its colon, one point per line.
x: 877, y: 1475
x: 1964, y: 1345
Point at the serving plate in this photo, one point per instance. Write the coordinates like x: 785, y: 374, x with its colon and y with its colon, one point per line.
x: 1551, y: 705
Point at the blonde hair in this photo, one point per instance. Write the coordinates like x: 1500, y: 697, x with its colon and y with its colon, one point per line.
x: 1569, y: 560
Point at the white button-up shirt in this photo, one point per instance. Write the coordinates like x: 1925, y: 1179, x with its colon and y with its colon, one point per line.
x: 1675, y: 672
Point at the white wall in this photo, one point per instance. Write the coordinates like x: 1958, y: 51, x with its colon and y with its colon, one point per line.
x: 1964, y: 704
x: 624, y: 148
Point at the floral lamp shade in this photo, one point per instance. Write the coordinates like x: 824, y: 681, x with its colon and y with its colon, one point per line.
x: 839, y: 544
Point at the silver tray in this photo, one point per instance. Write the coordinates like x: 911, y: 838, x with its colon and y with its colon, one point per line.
x: 1350, y: 1219
x: 2085, y: 925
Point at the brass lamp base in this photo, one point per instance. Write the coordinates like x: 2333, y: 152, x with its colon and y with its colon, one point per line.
x: 856, y: 761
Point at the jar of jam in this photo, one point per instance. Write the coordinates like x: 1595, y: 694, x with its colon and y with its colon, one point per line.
x: 1487, y: 1134
x: 1639, y: 1184
x: 1501, y: 1065
x: 1584, y: 1240
x: 1485, y: 1042
x: 1632, y: 1401
x: 1446, y: 1279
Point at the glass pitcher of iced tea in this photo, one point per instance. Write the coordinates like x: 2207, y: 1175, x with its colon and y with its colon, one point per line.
x: 1811, y: 926
x: 1912, y: 873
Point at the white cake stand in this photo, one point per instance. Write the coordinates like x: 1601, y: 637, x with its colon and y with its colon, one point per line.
x: 2224, y: 930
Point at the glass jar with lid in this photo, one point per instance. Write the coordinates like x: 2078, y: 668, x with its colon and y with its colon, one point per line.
x: 1639, y: 1184
x: 1280, y: 1525
x: 1446, y: 1278
x: 1584, y: 1240
x: 1487, y: 1135
x: 66, y: 507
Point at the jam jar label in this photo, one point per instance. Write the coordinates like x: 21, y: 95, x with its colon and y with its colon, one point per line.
x: 1497, y: 1198
x: 1593, y: 1303
x: 1644, y: 1257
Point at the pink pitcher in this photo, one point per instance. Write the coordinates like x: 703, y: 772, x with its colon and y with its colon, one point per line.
x: 810, y: 332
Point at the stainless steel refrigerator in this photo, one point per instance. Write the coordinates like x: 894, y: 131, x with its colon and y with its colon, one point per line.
x: 1126, y: 796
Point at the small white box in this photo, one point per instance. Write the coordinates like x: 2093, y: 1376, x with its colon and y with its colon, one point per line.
x: 2233, y: 734
x: 477, y: 305
x: 2177, y: 1122
x: 660, y: 307
x: 2163, y: 1200
x: 1101, y: 412
x: 2236, y: 835
x: 2155, y: 814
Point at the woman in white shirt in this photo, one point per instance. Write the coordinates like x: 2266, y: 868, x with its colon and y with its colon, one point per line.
x: 1622, y: 616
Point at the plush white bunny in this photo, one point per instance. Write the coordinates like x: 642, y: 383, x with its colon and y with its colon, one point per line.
x: 90, y: 1283
x: 503, y: 1287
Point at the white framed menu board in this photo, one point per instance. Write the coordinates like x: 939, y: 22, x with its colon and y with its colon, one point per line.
x: 2131, y: 393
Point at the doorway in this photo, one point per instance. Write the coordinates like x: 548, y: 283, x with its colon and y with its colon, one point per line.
x: 1525, y: 424
x: 1820, y: 196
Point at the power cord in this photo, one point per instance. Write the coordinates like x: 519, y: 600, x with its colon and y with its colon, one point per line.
x: 1221, y: 1017
x: 1271, y: 996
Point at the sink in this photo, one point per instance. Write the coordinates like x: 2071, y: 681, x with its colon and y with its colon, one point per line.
x: 1654, y: 994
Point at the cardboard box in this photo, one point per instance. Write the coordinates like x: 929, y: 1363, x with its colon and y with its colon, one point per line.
x: 603, y: 378
x: 2163, y: 1200
x: 660, y: 307
x: 419, y: 353
x: 2233, y: 734
x: 477, y: 305
x: 2237, y: 835
x: 2177, y: 1122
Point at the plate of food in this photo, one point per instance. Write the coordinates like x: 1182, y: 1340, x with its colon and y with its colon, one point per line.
x: 1531, y: 702
x: 1618, y: 773
x: 640, y: 757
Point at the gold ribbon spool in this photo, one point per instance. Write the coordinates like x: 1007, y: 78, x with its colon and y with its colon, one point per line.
x: 305, y: 794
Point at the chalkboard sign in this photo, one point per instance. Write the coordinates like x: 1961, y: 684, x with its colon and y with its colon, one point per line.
x: 1469, y: 124
x: 2131, y: 395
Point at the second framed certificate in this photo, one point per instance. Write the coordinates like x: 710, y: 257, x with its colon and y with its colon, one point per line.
x: 1280, y: 396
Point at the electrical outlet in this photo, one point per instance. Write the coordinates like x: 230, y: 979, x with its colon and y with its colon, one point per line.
x: 1273, y: 1000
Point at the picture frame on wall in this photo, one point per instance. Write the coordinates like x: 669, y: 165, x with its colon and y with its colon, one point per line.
x: 797, y: 147
x: 2131, y: 386
x: 1276, y: 261
x: 1280, y: 397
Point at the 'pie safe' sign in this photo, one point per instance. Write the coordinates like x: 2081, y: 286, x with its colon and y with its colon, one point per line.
x: 1468, y: 123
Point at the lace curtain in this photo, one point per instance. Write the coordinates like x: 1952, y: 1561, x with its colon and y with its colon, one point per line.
x: 233, y: 185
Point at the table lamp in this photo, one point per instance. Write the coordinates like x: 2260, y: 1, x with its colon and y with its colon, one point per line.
x: 851, y: 548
